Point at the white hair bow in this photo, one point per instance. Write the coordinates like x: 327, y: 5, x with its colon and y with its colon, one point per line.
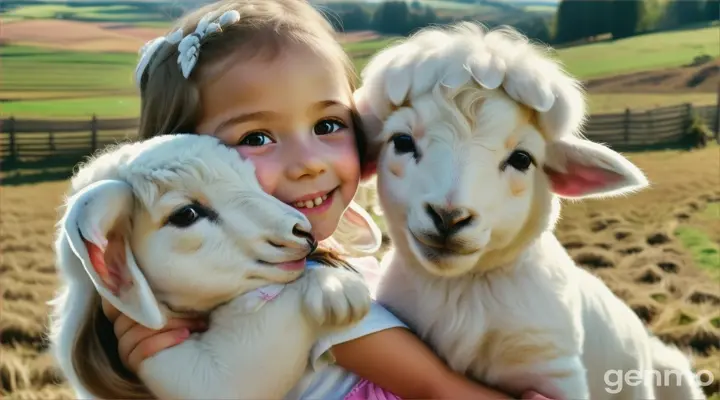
x: 189, y: 47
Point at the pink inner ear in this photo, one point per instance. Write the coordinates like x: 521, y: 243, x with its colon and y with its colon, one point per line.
x: 110, y: 264
x: 581, y: 180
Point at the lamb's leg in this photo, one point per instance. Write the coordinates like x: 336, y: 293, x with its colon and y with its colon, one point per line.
x: 185, y: 371
x: 335, y: 297
x: 258, y: 355
x: 562, y: 378
x: 676, y: 379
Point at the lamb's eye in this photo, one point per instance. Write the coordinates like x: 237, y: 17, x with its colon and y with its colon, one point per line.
x: 188, y: 215
x: 403, y: 143
x: 520, y: 160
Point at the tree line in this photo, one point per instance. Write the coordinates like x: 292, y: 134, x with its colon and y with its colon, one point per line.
x: 574, y: 19
x: 582, y: 19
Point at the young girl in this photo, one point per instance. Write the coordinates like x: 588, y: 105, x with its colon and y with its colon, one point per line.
x: 270, y: 79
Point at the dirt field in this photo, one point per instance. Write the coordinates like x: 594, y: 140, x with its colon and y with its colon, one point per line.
x: 704, y: 77
x: 359, y: 36
x: 74, y: 35
x: 631, y: 243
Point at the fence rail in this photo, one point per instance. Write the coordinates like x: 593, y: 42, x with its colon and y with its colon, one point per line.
x: 43, y: 142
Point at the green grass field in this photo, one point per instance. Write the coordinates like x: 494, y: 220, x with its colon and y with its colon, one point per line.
x: 139, y: 14
x: 41, y: 79
x: 658, y: 50
x: 34, y: 69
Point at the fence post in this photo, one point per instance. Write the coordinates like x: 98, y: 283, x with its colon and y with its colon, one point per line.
x: 717, y: 116
x: 626, y: 126
x: 93, y: 133
x: 51, y: 139
x: 13, y: 145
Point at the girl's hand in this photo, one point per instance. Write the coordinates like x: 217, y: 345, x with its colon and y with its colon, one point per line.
x: 137, y: 342
x: 533, y: 395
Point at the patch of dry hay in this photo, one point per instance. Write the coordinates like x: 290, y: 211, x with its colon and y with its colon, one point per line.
x: 644, y: 264
x: 27, y: 282
x: 626, y: 242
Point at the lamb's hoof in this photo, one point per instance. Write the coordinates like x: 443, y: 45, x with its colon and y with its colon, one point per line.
x: 337, y: 297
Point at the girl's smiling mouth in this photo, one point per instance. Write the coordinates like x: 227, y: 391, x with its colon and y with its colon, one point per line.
x: 315, y: 202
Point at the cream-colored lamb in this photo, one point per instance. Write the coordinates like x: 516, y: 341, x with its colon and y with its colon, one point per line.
x: 179, y: 226
x: 477, y: 137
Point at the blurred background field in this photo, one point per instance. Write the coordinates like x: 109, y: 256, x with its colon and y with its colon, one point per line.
x: 651, y: 69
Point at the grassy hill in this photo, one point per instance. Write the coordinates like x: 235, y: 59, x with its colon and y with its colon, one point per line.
x: 54, y: 82
x: 136, y: 13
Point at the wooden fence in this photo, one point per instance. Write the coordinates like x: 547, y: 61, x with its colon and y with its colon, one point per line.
x: 30, y: 143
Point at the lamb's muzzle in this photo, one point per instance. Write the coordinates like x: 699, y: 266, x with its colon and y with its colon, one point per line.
x: 448, y: 220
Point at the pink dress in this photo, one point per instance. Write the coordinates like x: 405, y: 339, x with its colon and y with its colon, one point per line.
x: 366, y: 390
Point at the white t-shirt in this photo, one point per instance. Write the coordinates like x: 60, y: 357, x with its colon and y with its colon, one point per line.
x: 324, y: 380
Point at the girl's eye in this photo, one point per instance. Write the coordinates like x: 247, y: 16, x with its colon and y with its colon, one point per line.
x: 255, y: 139
x: 328, y: 126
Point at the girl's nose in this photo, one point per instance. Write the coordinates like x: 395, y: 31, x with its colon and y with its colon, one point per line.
x: 305, y: 162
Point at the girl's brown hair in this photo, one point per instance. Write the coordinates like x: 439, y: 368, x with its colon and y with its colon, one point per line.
x: 170, y: 104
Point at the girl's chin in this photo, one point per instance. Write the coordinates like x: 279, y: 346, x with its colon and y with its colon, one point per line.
x: 322, y: 232
x: 325, y: 223
x: 323, y: 227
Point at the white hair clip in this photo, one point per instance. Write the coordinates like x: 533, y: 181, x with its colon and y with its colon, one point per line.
x: 149, y: 49
x: 189, y: 46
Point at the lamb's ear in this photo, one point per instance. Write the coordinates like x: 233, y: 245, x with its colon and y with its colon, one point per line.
x: 96, y: 225
x: 579, y: 168
x: 358, y: 230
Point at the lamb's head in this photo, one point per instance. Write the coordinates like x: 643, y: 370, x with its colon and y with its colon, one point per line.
x: 467, y: 176
x: 180, y: 224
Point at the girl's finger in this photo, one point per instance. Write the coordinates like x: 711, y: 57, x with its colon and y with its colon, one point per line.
x: 122, y: 325
x: 155, y: 343
x: 138, y: 334
x: 533, y: 395
x: 111, y: 313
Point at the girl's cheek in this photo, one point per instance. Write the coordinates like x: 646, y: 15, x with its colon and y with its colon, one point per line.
x: 266, y: 170
x: 348, y: 159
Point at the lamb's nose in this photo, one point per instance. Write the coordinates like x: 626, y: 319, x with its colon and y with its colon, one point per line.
x: 301, y: 233
x: 449, y: 221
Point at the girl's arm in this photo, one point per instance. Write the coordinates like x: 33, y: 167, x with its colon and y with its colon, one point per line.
x: 398, y: 361
x: 392, y: 358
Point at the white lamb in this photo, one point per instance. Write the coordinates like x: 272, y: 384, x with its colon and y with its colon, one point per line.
x: 477, y: 137
x: 178, y: 226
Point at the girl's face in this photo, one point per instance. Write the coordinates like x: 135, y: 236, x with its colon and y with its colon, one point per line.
x: 292, y: 118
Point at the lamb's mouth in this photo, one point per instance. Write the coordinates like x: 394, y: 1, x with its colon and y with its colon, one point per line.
x: 288, y: 265
x: 433, y: 249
